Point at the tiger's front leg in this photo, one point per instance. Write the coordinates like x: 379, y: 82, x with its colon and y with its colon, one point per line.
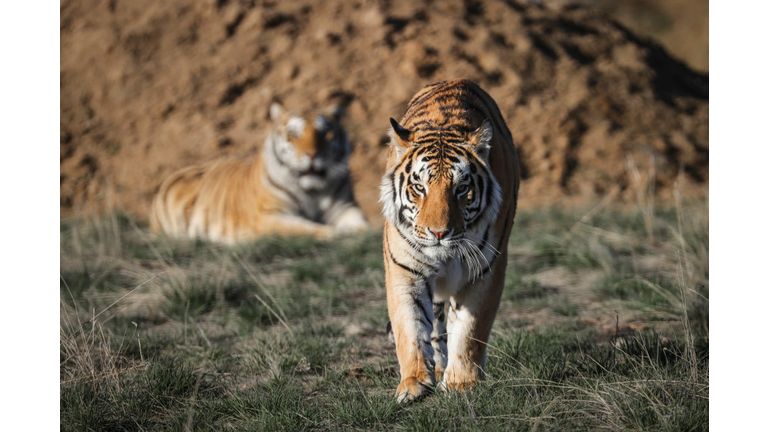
x: 470, y: 318
x: 439, y: 339
x: 410, y: 311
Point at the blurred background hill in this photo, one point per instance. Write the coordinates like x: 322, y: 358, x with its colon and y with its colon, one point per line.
x: 591, y: 90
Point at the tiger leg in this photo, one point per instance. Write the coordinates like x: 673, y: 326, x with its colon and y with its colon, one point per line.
x: 411, y: 315
x: 350, y: 220
x: 294, y: 225
x: 471, y: 316
x: 439, y: 337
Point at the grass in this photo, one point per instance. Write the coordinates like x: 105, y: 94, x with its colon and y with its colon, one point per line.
x: 603, y: 325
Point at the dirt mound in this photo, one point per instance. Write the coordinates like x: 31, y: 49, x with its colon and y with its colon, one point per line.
x: 148, y: 87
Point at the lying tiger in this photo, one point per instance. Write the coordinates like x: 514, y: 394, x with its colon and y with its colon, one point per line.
x: 449, y: 196
x: 299, y: 184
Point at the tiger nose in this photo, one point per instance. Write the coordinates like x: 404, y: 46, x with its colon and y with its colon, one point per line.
x: 439, y: 234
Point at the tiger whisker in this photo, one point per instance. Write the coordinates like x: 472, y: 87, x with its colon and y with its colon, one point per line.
x: 477, y: 252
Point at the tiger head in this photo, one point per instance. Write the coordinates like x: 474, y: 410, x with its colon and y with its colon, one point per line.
x: 313, y: 147
x: 440, y: 192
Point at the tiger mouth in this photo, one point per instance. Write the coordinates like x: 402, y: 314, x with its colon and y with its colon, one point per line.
x: 445, y: 243
x: 312, y: 171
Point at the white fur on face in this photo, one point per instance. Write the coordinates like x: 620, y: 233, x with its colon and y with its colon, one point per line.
x: 295, y: 126
x: 311, y: 182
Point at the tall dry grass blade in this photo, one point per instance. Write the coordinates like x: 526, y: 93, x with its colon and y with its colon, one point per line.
x: 679, y: 212
x: 126, y: 295
x: 690, y: 349
x: 283, y: 319
x: 644, y: 188
x: 607, y: 199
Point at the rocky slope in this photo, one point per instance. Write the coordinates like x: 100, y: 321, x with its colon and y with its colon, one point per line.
x: 148, y: 87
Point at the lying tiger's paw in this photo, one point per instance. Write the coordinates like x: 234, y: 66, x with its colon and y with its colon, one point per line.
x: 351, y: 221
x: 324, y: 233
x: 411, y: 389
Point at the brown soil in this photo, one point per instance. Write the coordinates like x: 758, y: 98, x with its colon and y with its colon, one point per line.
x: 148, y: 87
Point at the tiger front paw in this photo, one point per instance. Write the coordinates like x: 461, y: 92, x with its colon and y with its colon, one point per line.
x: 461, y: 386
x: 411, y: 389
x: 457, y: 379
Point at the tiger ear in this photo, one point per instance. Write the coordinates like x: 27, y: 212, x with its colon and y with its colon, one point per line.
x: 275, y: 111
x: 401, y: 137
x: 481, y: 138
x: 335, y: 112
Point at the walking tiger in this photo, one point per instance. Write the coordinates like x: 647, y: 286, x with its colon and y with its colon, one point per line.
x: 449, y: 199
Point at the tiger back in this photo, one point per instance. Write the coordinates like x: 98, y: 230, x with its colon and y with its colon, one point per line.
x: 298, y: 184
x: 449, y: 199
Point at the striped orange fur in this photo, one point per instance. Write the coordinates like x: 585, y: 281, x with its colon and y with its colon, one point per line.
x: 449, y: 196
x: 298, y: 185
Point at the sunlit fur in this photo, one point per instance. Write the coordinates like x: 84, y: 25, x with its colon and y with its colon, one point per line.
x: 298, y: 185
x: 449, y: 197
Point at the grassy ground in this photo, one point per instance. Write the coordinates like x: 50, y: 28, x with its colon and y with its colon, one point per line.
x: 603, y: 325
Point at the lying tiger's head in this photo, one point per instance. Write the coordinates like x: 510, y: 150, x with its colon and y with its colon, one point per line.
x: 440, y: 191
x: 313, y: 146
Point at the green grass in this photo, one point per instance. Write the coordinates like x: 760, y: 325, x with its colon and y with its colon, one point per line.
x: 289, y: 334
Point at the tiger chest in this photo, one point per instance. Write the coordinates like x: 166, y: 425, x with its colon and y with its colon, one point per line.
x: 314, y: 207
x: 449, y: 279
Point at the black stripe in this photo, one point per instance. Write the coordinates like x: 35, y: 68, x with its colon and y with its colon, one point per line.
x: 405, y: 267
x: 439, y: 133
x: 421, y: 99
x: 463, y: 152
x: 417, y: 248
x: 485, y: 237
x: 464, y: 105
x: 420, y: 304
x: 290, y: 195
x: 440, y: 311
x: 425, y: 321
x: 407, y: 240
x: 429, y: 266
x: 395, y: 194
x: 481, y: 186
